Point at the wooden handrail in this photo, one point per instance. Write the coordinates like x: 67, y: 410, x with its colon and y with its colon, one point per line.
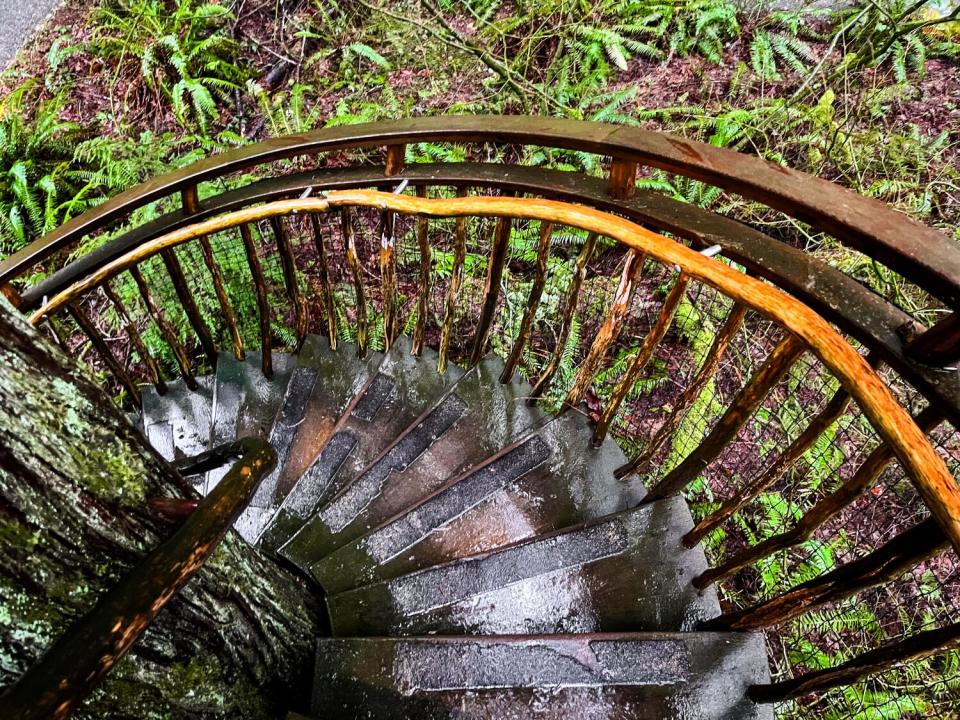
x: 921, y: 253
x: 920, y: 460
x: 85, y: 653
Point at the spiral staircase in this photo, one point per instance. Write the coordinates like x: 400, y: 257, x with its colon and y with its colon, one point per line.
x: 489, y: 548
x: 478, y: 557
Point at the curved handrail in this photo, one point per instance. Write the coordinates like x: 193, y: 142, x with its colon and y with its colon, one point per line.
x: 920, y: 460
x: 85, y: 653
x: 920, y: 253
x: 839, y: 298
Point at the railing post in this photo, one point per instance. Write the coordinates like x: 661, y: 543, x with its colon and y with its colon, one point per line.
x: 491, y: 288
x: 750, y: 397
x: 396, y: 159
x: 610, y: 330
x: 622, y: 180
x: 11, y: 294
x: 423, y: 289
x: 190, y: 200
x: 940, y: 345
x: 916, y: 647
x: 885, y: 564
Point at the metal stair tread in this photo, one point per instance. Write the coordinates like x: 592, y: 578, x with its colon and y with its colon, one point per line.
x: 549, y: 480
x: 475, y: 419
x: 245, y: 400
x: 626, y: 572
x: 403, y: 388
x: 639, y: 676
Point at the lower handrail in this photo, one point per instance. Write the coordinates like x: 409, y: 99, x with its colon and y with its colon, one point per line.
x: 76, y: 663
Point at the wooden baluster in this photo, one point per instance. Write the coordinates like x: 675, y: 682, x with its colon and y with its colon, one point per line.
x: 610, y: 330
x: 191, y: 206
x: 865, y: 477
x: 909, y: 650
x: 883, y: 565
x: 536, y: 291
x: 167, y: 331
x: 423, y: 298
x: 940, y: 345
x: 353, y: 261
x: 11, y: 294
x: 263, y: 306
x: 650, y: 342
x: 288, y: 265
x: 456, y: 279
x: 326, y: 288
x: 396, y: 159
x: 115, y: 367
x: 827, y: 417
x: 185, y: 295
x: 395, y: 162
x: 388, y: 277
x: 622, y: 180
x: 743, y: 406
x: 58, y: 333
x: 152, y: 366
x: 566, y: 319
x: 717, y: 350
x: 491, y: 288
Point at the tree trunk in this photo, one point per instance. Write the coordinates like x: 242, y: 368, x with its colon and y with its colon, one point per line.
x: 74, y: 480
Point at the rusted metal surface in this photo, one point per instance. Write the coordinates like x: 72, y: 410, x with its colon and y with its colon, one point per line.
x: 865, y: 477
x: 742, y: 406
x: 185, y: 296
x: 491, y: 287
x: 569, y: 308
x: 263, y: 306
x: 533, y: 303
x: 356, y: 272
x: 640, y: 360
x: 135, y: 339
x: 453, y: 290
x: 74, y: 665
x: 289, y: 267
x: 690, y: 393
x: 167, y: 331
x: 610, y: 330
x: 885, y: 564
x: 922, y: 254
x: 841, y: 299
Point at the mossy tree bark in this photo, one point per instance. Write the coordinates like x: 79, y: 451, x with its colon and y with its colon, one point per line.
x: 74, y: 480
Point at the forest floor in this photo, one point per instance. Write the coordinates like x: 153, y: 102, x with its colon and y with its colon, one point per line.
x: 890, y: 130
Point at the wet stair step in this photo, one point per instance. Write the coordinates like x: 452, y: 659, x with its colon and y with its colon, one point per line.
x: 178, y: 423
x: 549, y: 480
x: 627, y: 572
x: 581, y: 677
x: 469, y: 424
x: 246, y: 401
x: 404, y: 388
